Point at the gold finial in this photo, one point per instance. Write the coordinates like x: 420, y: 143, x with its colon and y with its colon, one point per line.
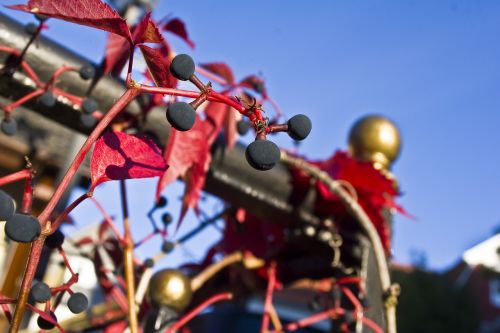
x: 170, y: 287
x: 376, y: 139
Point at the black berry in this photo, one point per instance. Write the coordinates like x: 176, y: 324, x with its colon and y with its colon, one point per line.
x: 9, y: 126
x: 47, y: 99
x: 44, y: 324
x: 181, y: 116
x: 55, y: 240
x: 78, y: 303
x: 31, y: 28
x: 166, y: 219
x: 40, y: 292
x: 87, y: 120
x: 22, y: 228
x: 89, y: 105
x: 149, y: 263
x: 87, y: 72
x: 299, y: 127
x: 167, y: 247
x: 162, y: 202
x: 242, y: 127
x: 259, y: 87
x: 7, y: 206
x: 262, y: 154
x: 182, y: 67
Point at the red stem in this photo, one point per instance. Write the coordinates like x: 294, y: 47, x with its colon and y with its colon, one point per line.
x: 68, y: 210
x: 108, y: 220
x: 211, y: 76
x: 57, y: 73
x: 23, y: 100
x: 37, y: 246
x: 120, y: 104
x: 193, y: 313
x: 16, y: 176
x: 271, y: 272
x: 27, y: 195
x: 26, y: 67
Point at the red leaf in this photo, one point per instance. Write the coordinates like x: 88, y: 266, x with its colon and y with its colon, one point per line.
x: 220, y: 69
x: 92, y: 13
x: 255, y: 83
x: 177, y: 27
x: 188, y: 153
x: 222, y: 115
x: 146, y: 31
x: 158, y: 66
x: 121, y: 156
x: 117, y: 54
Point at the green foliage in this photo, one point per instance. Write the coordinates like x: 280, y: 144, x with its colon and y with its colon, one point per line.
x: 430, y: 303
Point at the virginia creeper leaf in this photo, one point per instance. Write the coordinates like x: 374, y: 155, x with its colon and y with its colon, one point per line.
x: 220, y: 69
x: 222, y: 115
x: 188, y: 153
x: 146, y: 31
x: 118, y: 156
x: 117, y: 54
x: 158, y: 66
x: 177, y: 27
x: 92, y: 13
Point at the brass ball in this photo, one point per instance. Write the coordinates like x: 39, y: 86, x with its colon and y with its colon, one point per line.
x: 375, y: 139
x: 170, y: 287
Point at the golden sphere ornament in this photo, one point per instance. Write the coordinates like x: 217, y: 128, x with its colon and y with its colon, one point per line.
x: 375, y: 139
x: 170, y: 287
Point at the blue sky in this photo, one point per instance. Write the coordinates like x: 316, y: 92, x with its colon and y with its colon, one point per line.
x: 431, y: 66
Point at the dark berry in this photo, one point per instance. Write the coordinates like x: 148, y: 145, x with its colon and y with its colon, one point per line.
x: 55, y: 240
x: 167, y: 218
x: 162, y: 202
x: 262, y: 154
x: 9, y: 126
x: 22, y: 228
x: 87, y: 72
x: 47, y: 99
x: 7, y: 206
x: 182, y: 67
x: 242, y: 127
x: 181, y: 116
x: 167, y: 247
x: 78, y: 303
x: 31, y: 28
x: 88, y: 120
x: 299, y: 127
x: 44, y: 324
x: 89, y: 105
x: 149, y: 262
x: 40, y: 292
x: 41, y: 17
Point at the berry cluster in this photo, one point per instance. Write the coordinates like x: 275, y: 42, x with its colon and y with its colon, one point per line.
x: 260, y: 154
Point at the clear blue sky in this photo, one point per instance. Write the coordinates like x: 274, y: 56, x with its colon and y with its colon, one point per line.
x: 431, y: 66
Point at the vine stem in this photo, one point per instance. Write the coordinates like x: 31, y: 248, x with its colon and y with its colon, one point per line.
x: 190, y: 315
x: 37, y: 246
x: 128, y: 261
x: 16, y: 176
x: 271, y: 272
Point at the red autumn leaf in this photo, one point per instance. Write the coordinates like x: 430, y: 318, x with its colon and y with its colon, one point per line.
x: 220, y: 69
x: 255, y: 83
x: 188, y: 153
x: 146, y: 31
x: 92, y: 13
x: 177, y: 27
x: 120, y: 156
x: 117, y: 54
x: 222, y: 115
x: 158, y: 67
